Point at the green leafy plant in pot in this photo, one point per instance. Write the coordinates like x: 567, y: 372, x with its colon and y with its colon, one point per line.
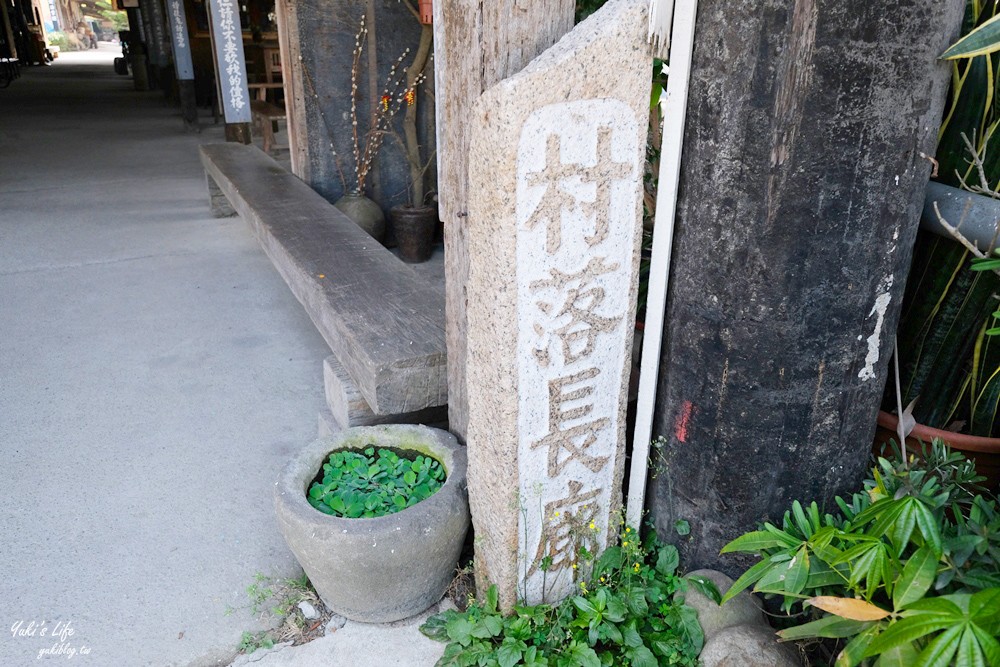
x: 370, y: 483
x: 376, y: 516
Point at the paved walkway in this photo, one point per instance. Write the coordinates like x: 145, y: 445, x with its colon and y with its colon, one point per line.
x: 154, y: 374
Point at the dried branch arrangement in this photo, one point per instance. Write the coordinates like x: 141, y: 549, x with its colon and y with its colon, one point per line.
x: 399, y: 91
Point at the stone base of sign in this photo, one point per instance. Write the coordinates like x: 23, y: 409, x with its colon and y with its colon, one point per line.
x: 554, y: 229
x: 140, y: 71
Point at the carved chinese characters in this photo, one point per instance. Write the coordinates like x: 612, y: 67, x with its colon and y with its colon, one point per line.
x: 576, y: 236
x: 553, y: 233
x: 230, y: 61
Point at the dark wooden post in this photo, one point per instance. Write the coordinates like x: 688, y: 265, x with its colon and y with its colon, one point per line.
x: 183, y: 67
x: 137, y: 49
x: 802, y: 182
x: 231, y: 69
x: 7, y: 29
x: 149, y: 43
x: 152, y: 12
x: 477, y: 44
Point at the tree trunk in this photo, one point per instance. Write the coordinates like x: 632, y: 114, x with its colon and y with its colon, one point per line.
x: 800, y: 194
x: 417, y: 167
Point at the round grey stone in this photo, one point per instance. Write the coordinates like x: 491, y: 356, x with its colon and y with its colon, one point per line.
x: 308, y: 611
x: 748, y: 646
x: 744, y: 609
x: 335, y: 623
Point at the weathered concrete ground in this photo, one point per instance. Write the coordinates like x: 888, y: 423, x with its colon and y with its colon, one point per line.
x: 155, y: 373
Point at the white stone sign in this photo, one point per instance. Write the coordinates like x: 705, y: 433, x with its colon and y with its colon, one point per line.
x: 576, y: 235
x: 554, y: 226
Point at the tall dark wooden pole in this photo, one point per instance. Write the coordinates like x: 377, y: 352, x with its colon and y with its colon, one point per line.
x: 7, y: 29
x: 231, y: 69
x: 137, y: 49
x: 183, y: 68
x: 801, y: 188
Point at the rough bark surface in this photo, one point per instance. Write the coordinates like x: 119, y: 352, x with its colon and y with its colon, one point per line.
x: 800, y: 195
x: 478, y: 44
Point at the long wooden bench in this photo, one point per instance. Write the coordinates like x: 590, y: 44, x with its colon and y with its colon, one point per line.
x: 384, y: 324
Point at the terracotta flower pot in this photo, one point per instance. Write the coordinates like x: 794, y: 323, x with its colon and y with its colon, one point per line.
x: 426, y: 12
x: 984, y: 451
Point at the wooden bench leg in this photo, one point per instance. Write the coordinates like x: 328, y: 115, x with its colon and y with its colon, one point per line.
x: 268, y: 132
x: 217, y: 202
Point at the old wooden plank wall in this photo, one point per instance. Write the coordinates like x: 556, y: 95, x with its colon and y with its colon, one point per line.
x: 477, y: 44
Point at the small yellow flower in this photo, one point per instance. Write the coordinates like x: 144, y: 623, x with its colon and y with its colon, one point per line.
x: 602, y: 579
x: 625, y: 543
x: 574, y: 566
x: 627, y: 529
x: 592, y: 526
x: 636, y: 567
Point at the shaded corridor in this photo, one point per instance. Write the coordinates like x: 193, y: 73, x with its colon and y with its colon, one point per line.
x: 155, y: 372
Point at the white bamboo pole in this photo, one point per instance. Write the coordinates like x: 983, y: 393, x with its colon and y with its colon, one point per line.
x: 675, y: 112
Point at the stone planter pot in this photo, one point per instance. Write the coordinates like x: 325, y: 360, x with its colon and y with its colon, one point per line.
x: 365, y: 213
x: 414, y: 229
x: 985, y: 451
x: 387, y: 568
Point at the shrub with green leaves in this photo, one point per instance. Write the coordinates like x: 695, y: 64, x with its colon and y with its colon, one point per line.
x: 370, y: 483
x: 627, y: 613
x: 990, y: 263
x: 907, y: 573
